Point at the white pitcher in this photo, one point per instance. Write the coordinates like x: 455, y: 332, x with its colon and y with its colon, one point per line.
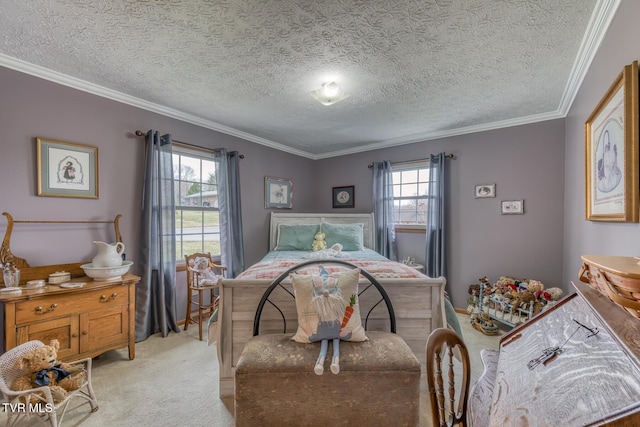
x: 109, y: 255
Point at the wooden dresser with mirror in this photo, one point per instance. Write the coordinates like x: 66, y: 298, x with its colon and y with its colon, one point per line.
x: 87, y: 320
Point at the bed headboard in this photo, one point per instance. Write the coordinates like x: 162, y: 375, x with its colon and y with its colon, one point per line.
x: 278, y: 218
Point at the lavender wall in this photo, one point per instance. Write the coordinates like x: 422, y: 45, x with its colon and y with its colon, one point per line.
x: 525, y: 162
x: 619, y: 48
x: 31, y: 107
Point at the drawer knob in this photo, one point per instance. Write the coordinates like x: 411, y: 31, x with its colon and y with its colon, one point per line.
x: 51, y: 308
x: 84, y: 332
x: 103, y: 298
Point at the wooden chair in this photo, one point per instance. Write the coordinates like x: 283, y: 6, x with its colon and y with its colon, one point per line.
x: 443, y: 346
x: 199, y: 280
x: 48, y: 412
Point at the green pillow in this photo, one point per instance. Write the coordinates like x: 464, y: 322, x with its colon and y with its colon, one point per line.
x: 348, y: 235
x: 296, y: 237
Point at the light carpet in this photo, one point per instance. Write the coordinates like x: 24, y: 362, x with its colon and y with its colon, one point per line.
x: 173, y: 381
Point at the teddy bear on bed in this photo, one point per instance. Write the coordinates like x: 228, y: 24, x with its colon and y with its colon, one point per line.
x: 318, y: 241
x: 42, y: 368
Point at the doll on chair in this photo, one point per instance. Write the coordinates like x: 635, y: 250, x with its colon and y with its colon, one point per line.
x: 206, y: 276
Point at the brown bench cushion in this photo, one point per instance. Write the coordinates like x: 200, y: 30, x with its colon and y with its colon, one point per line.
x: 378, y: 383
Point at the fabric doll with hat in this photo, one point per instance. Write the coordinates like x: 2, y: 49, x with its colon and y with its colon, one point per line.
x: 327, y: 306
x: 327, y: 299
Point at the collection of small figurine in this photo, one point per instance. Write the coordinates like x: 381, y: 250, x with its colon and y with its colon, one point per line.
x: 508, y: 299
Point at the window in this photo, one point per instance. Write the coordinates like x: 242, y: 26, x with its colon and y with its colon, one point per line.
x: 196, y: 201
x: 410, y: 193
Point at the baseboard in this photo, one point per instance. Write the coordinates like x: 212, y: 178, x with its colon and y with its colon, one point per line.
x: 460, y: 310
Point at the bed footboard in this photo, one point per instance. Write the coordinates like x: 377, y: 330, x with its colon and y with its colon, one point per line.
x: 418, y: 305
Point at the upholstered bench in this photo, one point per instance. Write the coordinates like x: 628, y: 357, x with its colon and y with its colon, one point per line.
x: 378, y: 383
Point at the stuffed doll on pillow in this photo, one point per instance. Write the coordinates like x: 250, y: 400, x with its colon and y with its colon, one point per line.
x: 327, y: 308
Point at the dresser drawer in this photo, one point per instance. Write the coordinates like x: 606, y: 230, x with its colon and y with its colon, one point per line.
x: 64, y: 304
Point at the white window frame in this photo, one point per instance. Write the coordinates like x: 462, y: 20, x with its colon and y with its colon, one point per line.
x: 183, y: 210
x: 403, y: 168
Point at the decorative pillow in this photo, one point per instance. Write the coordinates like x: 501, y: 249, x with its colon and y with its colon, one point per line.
x: 316, y: 296
x: 296, y: 237
x: 349, y: 235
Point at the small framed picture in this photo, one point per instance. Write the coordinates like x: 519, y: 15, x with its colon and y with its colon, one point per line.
x: 485, y: 190
x: 278, y: 193
x: 66, y: 169
x: 344, y: 197
x: 512, y: 207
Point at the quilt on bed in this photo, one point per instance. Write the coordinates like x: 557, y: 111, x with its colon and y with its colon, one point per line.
x: 277, y: 262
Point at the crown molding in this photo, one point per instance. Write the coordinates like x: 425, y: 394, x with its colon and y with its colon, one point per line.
x: 72, y: 82
x: 600, y: 20
x: 428, y: 136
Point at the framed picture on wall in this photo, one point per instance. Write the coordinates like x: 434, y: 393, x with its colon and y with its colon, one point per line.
x: 512, y: 207
x: 278, y: 193
x: 344, y: 197
x: 485, y: 190
x: 611, y: 152
x: 66, y: 169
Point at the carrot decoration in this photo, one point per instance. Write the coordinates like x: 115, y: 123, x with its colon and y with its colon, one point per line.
x: 348, y: 311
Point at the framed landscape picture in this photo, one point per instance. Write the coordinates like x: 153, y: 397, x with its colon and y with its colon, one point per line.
x: 611, y: 152
x: 66, y: 169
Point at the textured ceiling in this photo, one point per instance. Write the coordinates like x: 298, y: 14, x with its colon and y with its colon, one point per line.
x: 415, y: 70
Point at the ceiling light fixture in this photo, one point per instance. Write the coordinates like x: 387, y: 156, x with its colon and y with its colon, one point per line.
x: 329, y: 94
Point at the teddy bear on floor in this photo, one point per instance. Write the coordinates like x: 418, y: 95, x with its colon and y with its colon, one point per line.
x: 319, y: 243
x: 535, y: 286
x: 523, y: 298
x: 553, y: 296
x: 42, y: 368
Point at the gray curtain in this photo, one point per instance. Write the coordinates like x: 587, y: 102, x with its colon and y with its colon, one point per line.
x: 228, y: 178
x: 156, y: 292
x: 383, y: 210
x: 435, y: 259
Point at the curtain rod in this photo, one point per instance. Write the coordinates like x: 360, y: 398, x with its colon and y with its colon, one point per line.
x: 140, y: 133
x: 448, y: 156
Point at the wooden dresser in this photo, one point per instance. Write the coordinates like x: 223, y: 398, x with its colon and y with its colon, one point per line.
x: 593, y: 381
x: 87, y: 321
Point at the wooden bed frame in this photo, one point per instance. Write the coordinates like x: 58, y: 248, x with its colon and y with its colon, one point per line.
x: 418, y: 302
